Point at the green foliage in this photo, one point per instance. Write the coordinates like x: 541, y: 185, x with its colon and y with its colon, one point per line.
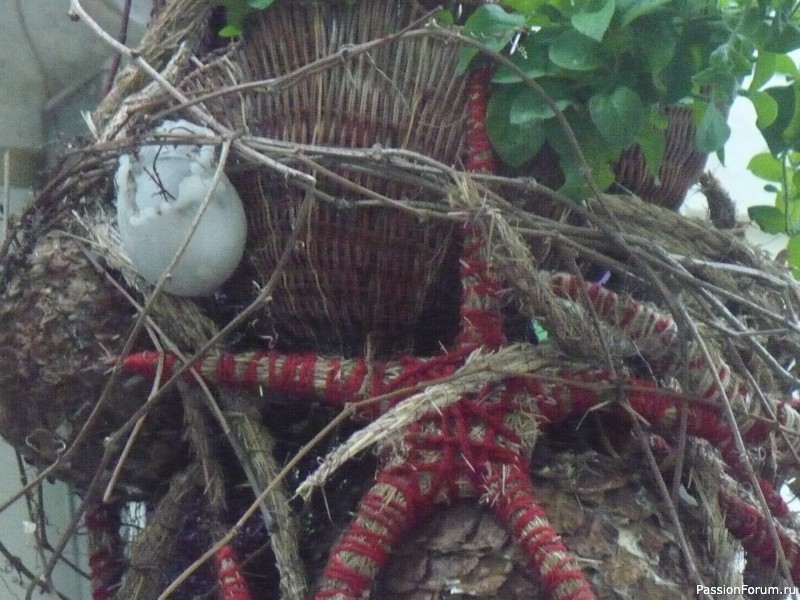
x: 236, y: 11
x: 778, y: 110
x: 783, y: 174
x: 609, y: 65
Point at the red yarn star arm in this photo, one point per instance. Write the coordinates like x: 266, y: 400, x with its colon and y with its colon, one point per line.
x: 106, y: 560
x: 566, y: 395
x: 232, y: 584
x: 513, y: 502
x: 335, y: 381
x: 656, y: 336
x: 749, y: 526
x: 480, y: 156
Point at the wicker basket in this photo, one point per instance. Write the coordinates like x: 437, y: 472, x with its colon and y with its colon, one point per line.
x: 681, y: 165
x: 367, y: 271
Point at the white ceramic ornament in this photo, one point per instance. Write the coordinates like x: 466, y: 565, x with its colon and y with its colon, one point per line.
x: 160, y: 190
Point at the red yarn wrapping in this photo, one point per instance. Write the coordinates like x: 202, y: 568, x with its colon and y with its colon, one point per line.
x: 481, y: 319
x: 655, y: 332
x: 392, y: 507
x: 336, y: 381
x: 146, y: 363
x: 232, y: 584
x: 748, y: 525
x: 514, y: 503
x: 776, y: 504
x: 480, y: 156
x: 656, y: 335
x: 560, y: 401
x: 106, y: 561
x: 467, y: 443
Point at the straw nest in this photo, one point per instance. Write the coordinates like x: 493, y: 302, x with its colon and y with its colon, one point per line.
x: 345, y: 144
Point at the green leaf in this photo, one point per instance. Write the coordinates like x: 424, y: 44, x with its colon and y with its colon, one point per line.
x: 576, y: 52
x: 653, y: 144
x: 493, y: 26
x: 523, y: 6
x: 763, y: 71
x: 236, y: 11
x: 791, y: 135
x: 766, y: 108
x: 444, y: 17
x: 633, y: 9
x: 784, y: 64
x: 784, y: 37
x: 514, y: 143
x: 594, y: 24
x: 793, y: 254
x: 490, y: 20
x: 260, y: 4
x: 529, y: 107
x: 766, y: 166
x: 655, y: 44
x: 597, y: 153
x: 769, y: 64
x: 768, y: 218
x: 726, y: 67
x: 793, y: 221
x: 618, y: 116
x: 658, y: 119
x: 784, y: 97
x: 534, y: 62
x: 712, y: 131
x: 230, y: 31
x: 677, y: 75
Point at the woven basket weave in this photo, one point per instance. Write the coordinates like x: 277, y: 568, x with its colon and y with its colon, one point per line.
x: 680, y: 168
x: 371, y: 269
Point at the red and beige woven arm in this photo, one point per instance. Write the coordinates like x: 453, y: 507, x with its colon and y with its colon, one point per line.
x: 106, y: 558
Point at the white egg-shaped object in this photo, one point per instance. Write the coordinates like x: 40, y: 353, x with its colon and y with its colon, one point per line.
x: 160, y: 190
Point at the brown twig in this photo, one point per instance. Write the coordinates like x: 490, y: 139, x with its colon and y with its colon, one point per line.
x: 122, y: 38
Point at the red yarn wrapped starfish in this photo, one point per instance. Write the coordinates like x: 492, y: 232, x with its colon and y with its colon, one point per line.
x: 472, y: 447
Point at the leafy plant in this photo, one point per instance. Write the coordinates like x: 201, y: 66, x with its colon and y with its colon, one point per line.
x: 610, y: 66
